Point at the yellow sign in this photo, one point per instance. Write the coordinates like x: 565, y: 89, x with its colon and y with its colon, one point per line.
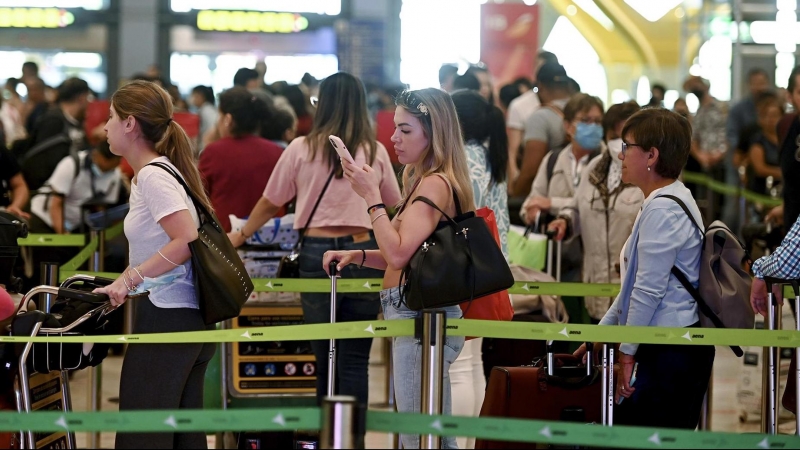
x: 35, y: 18
x: 251, y: 21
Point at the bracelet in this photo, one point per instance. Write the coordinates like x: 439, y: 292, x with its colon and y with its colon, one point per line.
x: 138, y: 272
x: 167, y: 260
x: 133, y: 286
x: 127, y: 286
x: 374, y: 208
x: 363, y: 258
x: 379, y: 216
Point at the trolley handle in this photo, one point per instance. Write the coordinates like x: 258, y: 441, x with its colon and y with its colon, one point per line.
x: 82, y: 295
x: 333, y: 268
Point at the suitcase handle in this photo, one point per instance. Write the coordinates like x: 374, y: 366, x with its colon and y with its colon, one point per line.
x: 551, y: 358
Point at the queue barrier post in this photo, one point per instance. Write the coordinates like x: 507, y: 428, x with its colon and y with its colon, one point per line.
x: 434, y: 323
x: 95, y: 373
x: 342, y: 423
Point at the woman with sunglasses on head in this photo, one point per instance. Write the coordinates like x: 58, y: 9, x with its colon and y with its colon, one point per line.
x: 671, y: 380
x: 309, y: 171
x: 428, y: 141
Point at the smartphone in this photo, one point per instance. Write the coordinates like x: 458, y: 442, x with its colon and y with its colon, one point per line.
x: 340, y: 148
x: 633, y: 380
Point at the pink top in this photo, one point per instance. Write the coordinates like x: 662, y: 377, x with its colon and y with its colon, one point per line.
x: 297, y: 175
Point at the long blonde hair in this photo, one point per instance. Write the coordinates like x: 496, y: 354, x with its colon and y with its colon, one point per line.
x: 445, y: 153
x: 151, y: 105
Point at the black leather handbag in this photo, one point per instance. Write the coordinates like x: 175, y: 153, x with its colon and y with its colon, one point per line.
x: 458, y: 263
x: 221, y: 280
x: 290, y: 264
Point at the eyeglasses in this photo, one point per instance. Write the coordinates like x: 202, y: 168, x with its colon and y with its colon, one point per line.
x: 625, y: 146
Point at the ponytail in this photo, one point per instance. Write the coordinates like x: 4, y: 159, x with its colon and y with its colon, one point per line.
x: 498, y: 145
x: 151, y: 105
x: 177, y: 147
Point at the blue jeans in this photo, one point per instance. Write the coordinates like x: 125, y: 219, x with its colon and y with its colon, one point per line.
x: 407, y: 358
x: 352, y: 355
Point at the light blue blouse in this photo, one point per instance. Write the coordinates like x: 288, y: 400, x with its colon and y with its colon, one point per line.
x: 662, y: 236
x: 488, y: 194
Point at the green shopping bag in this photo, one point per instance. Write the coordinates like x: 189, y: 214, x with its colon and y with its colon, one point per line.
x: 526, y: 249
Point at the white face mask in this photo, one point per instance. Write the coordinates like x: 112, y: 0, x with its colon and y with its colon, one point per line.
x: 615, y: 147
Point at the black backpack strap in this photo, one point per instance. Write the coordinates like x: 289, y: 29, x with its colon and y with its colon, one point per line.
x: 551, y: 165
x: 701, y: 304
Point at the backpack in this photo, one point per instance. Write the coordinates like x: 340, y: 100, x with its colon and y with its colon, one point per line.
x: 37, y: 170
x: 723, y: 296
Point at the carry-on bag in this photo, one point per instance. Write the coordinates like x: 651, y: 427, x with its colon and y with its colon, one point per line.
x: 557, y: 388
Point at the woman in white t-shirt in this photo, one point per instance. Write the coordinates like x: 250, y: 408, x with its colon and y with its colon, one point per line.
x: 161, y: 223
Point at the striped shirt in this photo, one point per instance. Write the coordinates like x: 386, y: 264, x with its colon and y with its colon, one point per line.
x: 784, y: 263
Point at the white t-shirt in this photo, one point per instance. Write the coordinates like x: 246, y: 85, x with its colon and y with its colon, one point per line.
x: 155, y: 195
x: 521, y: 108
x: 76, y: 190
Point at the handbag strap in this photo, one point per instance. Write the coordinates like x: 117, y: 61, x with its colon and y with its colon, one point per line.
x: 203, y: 214
x: 299, y: 243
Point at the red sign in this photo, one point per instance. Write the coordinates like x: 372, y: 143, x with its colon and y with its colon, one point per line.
x: 509, y: 40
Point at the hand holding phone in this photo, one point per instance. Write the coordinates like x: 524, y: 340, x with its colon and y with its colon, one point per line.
x: 633, y: 380
x: 341, y: 149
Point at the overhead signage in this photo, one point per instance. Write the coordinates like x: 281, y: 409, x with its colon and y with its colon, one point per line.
x: 35, y: 18
x: 251, y: 21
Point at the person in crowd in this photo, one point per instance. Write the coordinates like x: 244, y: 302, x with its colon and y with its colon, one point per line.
x: 657, y: 92
x: 261, y: 70
x: 764, y: 154
x: 682, y: 108
x: 508, y: 94
x: 44, y: 150
x: 671, y: 380
x: 202, y: 99
x: 603, y: 211
x: 309, y: 170
x: 36, y: 104
x: 483, y: 128
x: 247, y: 78
x: 301, y: 105
x: 518, y: 112
x: 552, y: 192
x: 30, y: 71
x: 468, y: 81
x: 573, y: 87
x: 784, y: 263
x: 12, y: 113
x: 13, y: 189
x: 428, y: 142
x: 789, y: 134
x: 709, y: 144
x: 544, y: 128
x: 524, y: 84
x: 280, y: 128
x: 161, y: 223
x: 236, y: 168
x: 447, y: 75
x: 741, y: 131
x: 481, y: 72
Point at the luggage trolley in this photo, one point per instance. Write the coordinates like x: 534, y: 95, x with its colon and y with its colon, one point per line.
x: 769, y: 416
x: 48, y: 358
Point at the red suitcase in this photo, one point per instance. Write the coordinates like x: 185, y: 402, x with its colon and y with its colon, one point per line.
x: 570, y: 392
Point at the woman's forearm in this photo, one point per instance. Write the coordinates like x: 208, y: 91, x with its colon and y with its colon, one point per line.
x: 260, y: 215
x: 175, y: 253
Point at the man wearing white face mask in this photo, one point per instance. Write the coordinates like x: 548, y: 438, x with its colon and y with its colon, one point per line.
x: 606, y: 206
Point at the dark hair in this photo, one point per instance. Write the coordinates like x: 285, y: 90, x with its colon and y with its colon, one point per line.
x: 665, y: 130
x: 71, y: 89
x: 619, y: 113
x: 207, y: 92
x: 278, y: 123
x: 481, y: 121
x: 309, y: 80
x: 467, y: 81
x: 296, y: 98
x: 243, y: 76
x: 480, y: 67
x: 32, y: 66
x: 104, y: 149
x: 446, y: 71
x: 247, y: 110
x: 581, y: 103
x: 658, y: 86
x: 342, y: 111
x: 766, y: 100
x: 793, y: 79
x: 508, y: 93
x: 547, y: 57
x: 523, y: 81
x: 755, y: 72
x: 152, y: 108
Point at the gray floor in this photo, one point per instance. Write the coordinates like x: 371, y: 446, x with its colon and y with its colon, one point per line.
x: 725, y: 416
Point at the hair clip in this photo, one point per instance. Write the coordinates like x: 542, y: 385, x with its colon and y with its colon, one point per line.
x: 422, y: 108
